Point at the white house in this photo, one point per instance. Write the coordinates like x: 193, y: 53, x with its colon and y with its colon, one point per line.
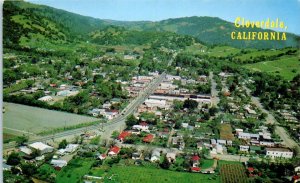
x: 58, y: 163
x: 155, y: 156
x: 25, y: 150
x: 171, y: 156
x: 244, y: 148
x: 43, y: 148
x: 246, y: 136
x: 279, y: 152
x: 46, y: 99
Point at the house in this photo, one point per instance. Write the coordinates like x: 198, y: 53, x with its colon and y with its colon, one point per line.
x: 195, y: 160
x: 155, y: 156
x: 114, y: 151
x: 279, y: 152
x: 58, y: 164
x: 25, y: 150
x: 136, y: 155
x: 46, y: 99
x: 267, y: 143
x: 221, y: 142
x: 123, y: 136
x: 149, y: 138
x: 102, y: 156
x: 219, y: 149
x: 70, y: 148
x: 67, y: 93
x: 142, y: 127
x: 171, y: 156
x: 40, y: 158
x: 41, y: 147
x: 184, y: 125
x: 244, y: 148
x: 248, y: 136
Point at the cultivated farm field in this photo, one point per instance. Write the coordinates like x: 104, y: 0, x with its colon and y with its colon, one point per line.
x: 20, y: 119
x: 233, y: 173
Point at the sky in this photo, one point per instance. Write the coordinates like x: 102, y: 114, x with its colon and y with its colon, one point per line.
x: 155, y: 10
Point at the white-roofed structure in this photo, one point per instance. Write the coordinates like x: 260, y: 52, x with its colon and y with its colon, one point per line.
x: 46, y: 99
x: 43, y: 148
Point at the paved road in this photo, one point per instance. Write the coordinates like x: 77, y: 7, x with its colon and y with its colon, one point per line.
x: 286, y: 139
x: 214, y: 93
x: 117, y: 123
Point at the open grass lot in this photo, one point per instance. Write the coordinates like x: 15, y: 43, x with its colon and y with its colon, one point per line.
x: 218, y: 51
x: 226, y: 132
x: 19, y: 119
x: 287, y: 67
x: 7, y: 137
x: 207, y: 163
x: 75, y: 170
x: 148, y: 174
x: 259, y: 53
x: 233, y: 173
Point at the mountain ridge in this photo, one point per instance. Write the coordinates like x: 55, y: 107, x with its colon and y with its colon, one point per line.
x: 207, y: 30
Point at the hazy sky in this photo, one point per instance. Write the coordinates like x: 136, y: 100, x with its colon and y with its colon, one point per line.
x: 286, y: 10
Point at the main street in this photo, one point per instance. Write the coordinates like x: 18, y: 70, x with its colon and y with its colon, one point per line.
x: 107, y: 128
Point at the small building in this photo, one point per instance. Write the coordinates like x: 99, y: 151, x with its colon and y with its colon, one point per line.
x: 58, y: 164
x: 123, y: 136
x: 244, y: 148
x: 46, y: 99
x: 171, y: 156
x: 195, y: 169
x: 149, y: 138
x: 155, y: 156
x: 114, y: 151
x: 195, y: 160
x: 136, y: 155
x: 25, y: 150
x: 102, y: 156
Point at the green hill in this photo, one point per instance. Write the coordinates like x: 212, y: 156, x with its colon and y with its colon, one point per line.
x: 25, y: 22
x: 209, y: 30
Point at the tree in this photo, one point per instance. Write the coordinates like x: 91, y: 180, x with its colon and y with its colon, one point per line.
x: 213, y: 110
x: 165, y: 164
x: 190, y: 104
x: 13, y: 159
x: 63, y: 144
x: 177, y: 105
x: 95, y: 140
x: 20, y: 140
x: 131, y: 120
x: 28, y: 169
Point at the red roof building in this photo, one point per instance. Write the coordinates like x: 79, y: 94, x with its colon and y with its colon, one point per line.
x: 144, y: 123
x: 250, y: 169
x: 114, y: 151
x: 195, y: 169
x: 195, y: 158
x: 123, y: 135
x: 149, y: 138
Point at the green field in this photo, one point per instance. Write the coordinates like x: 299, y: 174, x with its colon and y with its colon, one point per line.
x: 258, y: 53
x: 288, y: 68
x: 75, y: 170
x: 207, y: 163
x: 19, y: 119
x: 145, y: 175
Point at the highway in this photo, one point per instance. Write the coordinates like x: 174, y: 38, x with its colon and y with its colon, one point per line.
x: 115, y: 123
